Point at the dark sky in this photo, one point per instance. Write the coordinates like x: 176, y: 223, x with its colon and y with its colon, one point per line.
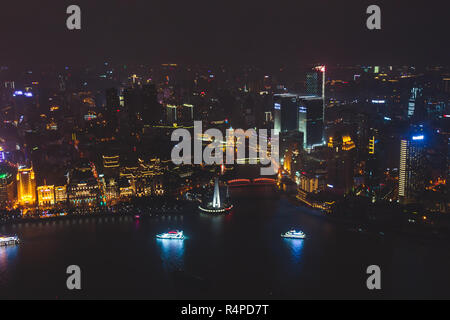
x: 236, y: 32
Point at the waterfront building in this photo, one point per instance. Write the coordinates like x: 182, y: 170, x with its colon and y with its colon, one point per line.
x: 60, y: 194
x: 26, y: 186
x: 46, y: 196
x: 7, y: 186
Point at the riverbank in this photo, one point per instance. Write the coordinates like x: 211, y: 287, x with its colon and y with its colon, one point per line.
x: 376, y: 228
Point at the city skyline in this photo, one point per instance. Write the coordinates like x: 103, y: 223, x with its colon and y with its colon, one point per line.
x: 215, y: 151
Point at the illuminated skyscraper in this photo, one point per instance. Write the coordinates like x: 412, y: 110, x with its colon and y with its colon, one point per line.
x: 2, y: 155
x: 300, y: 113
x: 411, y: 178
x: 416, y: 94
x: 315, y: 84
x: 7, y: 186
x: 310, y: 121
x: 26, y: 186
x: 286, y: 108
x: 341, y: 163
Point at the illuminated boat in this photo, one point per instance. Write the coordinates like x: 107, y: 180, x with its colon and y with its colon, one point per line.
x: 6, y: 241
x: 171, y: 235
x: 293, y: 234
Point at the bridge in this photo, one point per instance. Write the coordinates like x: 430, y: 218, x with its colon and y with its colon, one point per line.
x: 253, y: 182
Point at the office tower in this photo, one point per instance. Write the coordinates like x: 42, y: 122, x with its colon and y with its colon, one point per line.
x: 7, y: 186
x: 446, y: 85
x: 300, y: 113
x: 111, y: 165
x: 341, y: 163
x: 411, y: 173
x: 416, y: 93
x: 310, y: 121
x: 132, y: 105
x: 171, y: 114
x: 315, y: 84
x: 142, y: 106
x: 152, y: 112
x: 46, y: 196
x: 26, y: 186
x: 2, y: 155
x: 112, y: 100
x: 277, y: 117
x: 286, y: 109
x: 185, y: 113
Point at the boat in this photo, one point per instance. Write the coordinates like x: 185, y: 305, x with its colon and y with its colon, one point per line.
x: 171, y: 235
x: 294, y: 234
x: 6, y: 241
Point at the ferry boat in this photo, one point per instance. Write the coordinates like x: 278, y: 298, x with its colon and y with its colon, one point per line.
x: 171, y: 235
x: 294, y: 234
x: 6, y: 241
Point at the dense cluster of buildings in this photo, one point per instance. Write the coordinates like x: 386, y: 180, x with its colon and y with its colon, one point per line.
x: 98, y: 136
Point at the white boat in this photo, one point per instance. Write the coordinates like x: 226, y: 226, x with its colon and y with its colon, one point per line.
x: 294, y: 234
x: 6, y: 241
x: 171, y: 235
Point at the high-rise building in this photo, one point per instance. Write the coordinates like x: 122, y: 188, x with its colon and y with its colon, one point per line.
x: 26, y: 186
x: 294, y: 112
x: 7, y: 186
x: 2, y: 155
x: 112, y: 108
x: 315, y: 84
x: 411, y: 178
x: 111, y: 165
x: 171, y: 113
x: 286, y: 109
x: 341, y: 163
x: 46, y: 196
x: 142, y: 106
x: 416, y: 94
x: 152, y: 111
x: 112, y: 100
x: 185, y: 113
x: 310, y: 121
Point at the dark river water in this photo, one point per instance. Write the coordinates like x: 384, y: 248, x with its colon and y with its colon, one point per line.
x: 237, y: 256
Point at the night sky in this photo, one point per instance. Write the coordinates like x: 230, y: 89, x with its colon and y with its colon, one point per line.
x: 229, y: 32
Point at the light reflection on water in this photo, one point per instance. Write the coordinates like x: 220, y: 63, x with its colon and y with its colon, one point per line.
x: 295, y: 247
x: 172, y: 254
x: 7, y: 256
